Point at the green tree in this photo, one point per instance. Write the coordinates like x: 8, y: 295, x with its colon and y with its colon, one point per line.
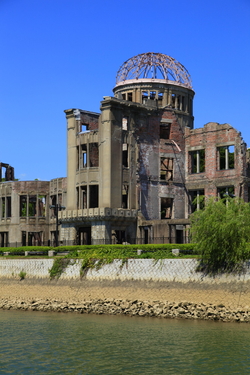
x: 221, y: 231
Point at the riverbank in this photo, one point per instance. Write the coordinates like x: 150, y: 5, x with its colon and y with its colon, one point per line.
x: 159, y: 309
x: 167, y: 288
x: 163, y: 300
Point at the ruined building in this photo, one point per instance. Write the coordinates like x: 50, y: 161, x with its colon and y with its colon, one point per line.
x: 135, y: 168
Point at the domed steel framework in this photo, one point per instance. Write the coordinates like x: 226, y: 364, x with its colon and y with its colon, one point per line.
x: 152, y: 65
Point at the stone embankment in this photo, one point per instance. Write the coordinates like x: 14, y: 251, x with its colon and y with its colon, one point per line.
x: 183, y: 310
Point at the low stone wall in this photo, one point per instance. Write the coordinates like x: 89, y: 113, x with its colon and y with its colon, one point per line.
x: 183, y: 310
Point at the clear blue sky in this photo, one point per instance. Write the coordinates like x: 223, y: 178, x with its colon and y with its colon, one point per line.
x: 61, y: 54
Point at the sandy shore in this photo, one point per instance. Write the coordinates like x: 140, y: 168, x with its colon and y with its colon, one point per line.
x: 78, y: 291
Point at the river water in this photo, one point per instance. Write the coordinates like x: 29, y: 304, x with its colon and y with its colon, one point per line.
x: 56, y: 343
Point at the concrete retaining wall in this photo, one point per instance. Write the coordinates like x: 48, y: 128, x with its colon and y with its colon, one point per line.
x: 177, y: 270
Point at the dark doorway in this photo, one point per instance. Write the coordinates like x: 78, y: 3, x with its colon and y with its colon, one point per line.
x: 84, y: 236
x: 179, y: 236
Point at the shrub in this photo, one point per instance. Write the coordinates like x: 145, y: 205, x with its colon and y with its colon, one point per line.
x: 221, y: 231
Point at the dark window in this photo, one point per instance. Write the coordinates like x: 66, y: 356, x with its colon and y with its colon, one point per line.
x: 197, y: 161
x: 226, y: 157
x: 225, y: 192
x: 93, y: 155
x: 197, y: 199
x: 125, y: 155
x: 166, y: 208
x: 93, y: 196
x: 130, y: 97
x: 164, y: 131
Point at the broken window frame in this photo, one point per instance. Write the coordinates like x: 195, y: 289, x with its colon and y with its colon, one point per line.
x: 226, y: 159
x: 166, y: 208
x: 197, y: 161
x: 166, y: 169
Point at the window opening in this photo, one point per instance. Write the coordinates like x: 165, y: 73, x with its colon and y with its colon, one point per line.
x: 125, y: 155
x: 197, y: 161
x: 84, y: 156
x: 93, y: 155
x: 93, y: 196
x: 8, y: 208
x: 166, y: 208
x: 167, y: 169
x: 32, y: 205
x: 84, y: 196
x: 125, y: 196
x: 225, y: 192
x: 173, y: 100
x: 125, y: 123
x: 144, y: 97
x: 130, y: 97
x: 41, y: 205
x: 3, y: 207
x: 124, y: 96
x: 164, y: 131
x: 226, y: 157
x: 4, y: 239
x: 197, y: 200
x: 23, y: 205
x: 84, y: 127
x: 152, y: 95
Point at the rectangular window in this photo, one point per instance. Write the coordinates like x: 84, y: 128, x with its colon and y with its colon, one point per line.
x: 84, y: 196
x: 8, y: 208
x: 152, y: 95
x: 225, y: 192
x: 84, y: 127
x: 4, y: 238
x: 225, y: 157
x: 3, y: 207
x: 196, y: 200
x: 32, y: 205
x: 125, y: 123
x: 164, y: 131
x: 166, y: 173
x: 125, y: 155
x: 93, y: 196
x: 130, y: 96
x: 41, y: 205
x: 144, y: 97
x: 23, y: 205
x: 125, y: 196
x: 84, y: 156
x: 93, y: 155
x: 197, y: 161
x: 166, y: 208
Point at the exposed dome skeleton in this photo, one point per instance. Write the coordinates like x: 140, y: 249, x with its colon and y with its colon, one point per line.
x: 152, y: 65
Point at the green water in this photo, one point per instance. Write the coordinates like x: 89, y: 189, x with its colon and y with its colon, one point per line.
x: 54, y: 343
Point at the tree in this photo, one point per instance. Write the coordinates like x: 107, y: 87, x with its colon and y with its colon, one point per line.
x: 221, y: 231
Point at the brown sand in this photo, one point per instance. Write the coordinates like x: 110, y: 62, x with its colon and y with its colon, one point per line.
x: 75, y: 292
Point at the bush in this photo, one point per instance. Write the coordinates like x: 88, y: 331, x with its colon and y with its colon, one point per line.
x: 221, y: 231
